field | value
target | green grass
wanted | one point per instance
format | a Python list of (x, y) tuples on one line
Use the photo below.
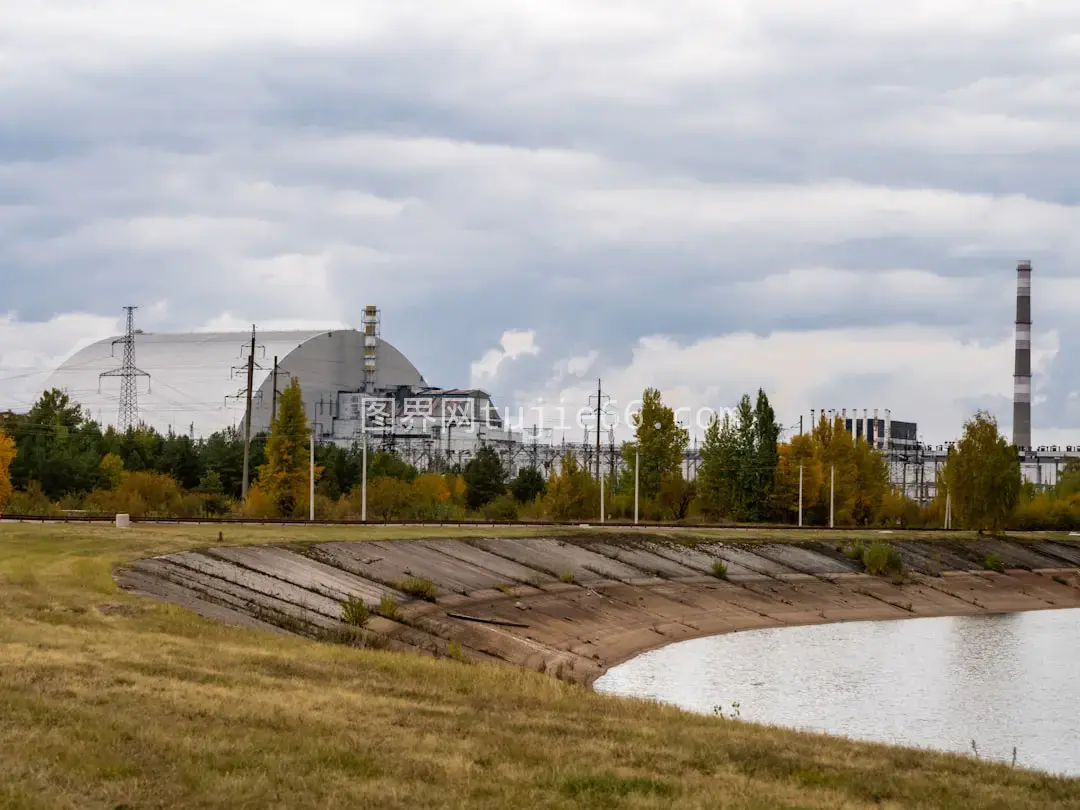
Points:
[(719, 569), (994, 562), (418, 587), (110, 700), (567, 577)]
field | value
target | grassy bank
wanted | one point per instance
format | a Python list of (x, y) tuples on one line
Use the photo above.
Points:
[(108, 700)]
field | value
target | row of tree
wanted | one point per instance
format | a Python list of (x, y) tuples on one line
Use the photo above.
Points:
[(54, 457)]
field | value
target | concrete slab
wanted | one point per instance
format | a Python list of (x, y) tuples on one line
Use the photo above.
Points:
[(747, 559), (503, 570), (644, 560), (696, 559), (307, 573), (556, 558), (803, 560), (1062, 552)]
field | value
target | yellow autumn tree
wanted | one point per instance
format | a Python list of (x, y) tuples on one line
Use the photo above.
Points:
[(7, 455), (284, 478), (829, 456), (432, 499)]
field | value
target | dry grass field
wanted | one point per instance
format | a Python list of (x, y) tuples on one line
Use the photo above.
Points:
[(111, 701)]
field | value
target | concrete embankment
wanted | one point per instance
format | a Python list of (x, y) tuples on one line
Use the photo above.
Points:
[(576, 606)]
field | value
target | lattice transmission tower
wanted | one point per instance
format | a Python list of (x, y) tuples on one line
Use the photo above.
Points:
[(129, 373)]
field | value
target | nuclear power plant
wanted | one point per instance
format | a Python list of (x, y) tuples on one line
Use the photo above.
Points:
[(357, 385)]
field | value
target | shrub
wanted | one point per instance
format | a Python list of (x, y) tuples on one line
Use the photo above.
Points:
[(258, 504), (719, 569), (453, 651), (387, 498), (354, 612), (388, 608), (418, 587), (855, 551), (505, 507), (994, 562), (32, 501), (567, 577), (881, 558)]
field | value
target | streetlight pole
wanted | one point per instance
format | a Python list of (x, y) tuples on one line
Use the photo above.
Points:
[(637, 480), (832, 496), (601, 497), (800, 493), (311, 477), (363, 480)]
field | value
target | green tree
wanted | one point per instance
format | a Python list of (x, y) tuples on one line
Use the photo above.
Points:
[(57, 445), (342, 469), (528, 485), (283, 479), (715, 478), (661, 441), (982, 474), (387, 465), (485, 478), (766, 453)]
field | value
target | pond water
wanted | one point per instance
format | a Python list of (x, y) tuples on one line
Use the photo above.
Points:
[(1001, 681)]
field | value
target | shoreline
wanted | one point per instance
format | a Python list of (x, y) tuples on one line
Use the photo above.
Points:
[(612, 664), (576, 607)]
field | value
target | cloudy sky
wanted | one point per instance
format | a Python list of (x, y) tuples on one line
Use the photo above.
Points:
[(825, 199)]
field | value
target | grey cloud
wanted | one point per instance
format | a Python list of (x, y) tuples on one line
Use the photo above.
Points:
[(473, 180)]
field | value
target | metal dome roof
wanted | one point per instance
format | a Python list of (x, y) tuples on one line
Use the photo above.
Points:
[(195, 378)]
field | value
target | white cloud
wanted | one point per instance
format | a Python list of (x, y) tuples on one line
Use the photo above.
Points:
[(514, 344), (579, 365), (921, 374)]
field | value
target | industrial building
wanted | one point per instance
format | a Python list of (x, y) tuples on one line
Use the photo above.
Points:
[(354, 384)]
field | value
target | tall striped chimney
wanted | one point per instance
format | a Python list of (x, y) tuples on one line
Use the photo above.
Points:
[(1022, 373)]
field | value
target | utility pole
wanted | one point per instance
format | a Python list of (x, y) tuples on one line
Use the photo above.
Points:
[(127, 416), (800, 491), (601, 500), (599, 405), (599, 413), (311, 476), (637, 480), (273, 394), (247, 413), (363, 480), (832, 497)]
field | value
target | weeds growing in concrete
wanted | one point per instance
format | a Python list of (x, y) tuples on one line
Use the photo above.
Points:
[(881, 558), (994, 562), (567, 577), (354, 612), (418, 587), (719, 569), (388, 608)]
